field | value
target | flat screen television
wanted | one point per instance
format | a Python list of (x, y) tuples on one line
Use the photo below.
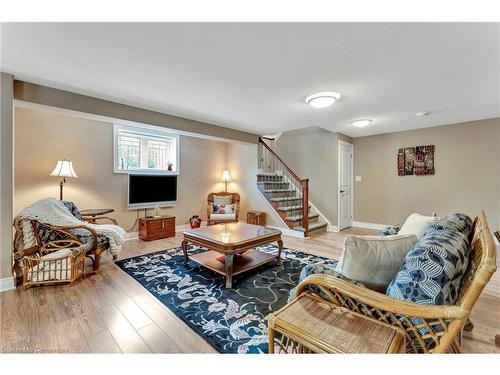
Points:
[(148, 190)]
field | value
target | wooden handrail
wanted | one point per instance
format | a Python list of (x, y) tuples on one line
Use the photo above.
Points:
[(261, 141)]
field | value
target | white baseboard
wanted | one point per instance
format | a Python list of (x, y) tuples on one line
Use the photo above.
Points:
[(369, 225), (332, 228), (7, 283), (131, 236), (289, 232)]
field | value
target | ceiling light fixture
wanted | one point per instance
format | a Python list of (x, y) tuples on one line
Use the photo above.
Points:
[(361, 123), (422, 114), (323, 99)]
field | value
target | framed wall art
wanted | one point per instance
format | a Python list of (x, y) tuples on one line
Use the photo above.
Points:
[(417, 161)]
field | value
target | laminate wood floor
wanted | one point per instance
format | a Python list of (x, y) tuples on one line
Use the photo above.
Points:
[(111, 313)]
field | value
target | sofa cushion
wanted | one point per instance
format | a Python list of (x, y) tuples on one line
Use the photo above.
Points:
[(222, 217), (389, 231), (374, 260), (417, 224), (432, 270), (327, 268), (102, 240), (73, 209), (223, 208), (223, 199)]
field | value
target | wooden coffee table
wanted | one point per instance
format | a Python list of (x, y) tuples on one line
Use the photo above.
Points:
[(227, 244)]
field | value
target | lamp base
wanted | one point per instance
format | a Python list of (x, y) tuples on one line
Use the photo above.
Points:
[(61, 184)]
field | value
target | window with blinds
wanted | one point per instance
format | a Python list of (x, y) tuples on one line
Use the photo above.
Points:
[(145, 150)]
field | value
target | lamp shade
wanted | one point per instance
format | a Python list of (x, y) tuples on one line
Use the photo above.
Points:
[(64, 168), (225, 176)]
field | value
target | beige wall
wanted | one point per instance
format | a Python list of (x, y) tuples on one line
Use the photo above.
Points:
[(30, 92), (242, 165), (467, 174), (312, 153), (44, 137), (6, 135)]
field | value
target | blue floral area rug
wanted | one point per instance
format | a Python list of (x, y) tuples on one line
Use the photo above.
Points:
[(231, 320)]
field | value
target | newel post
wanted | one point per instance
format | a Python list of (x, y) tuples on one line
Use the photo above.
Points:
[(305, 206)]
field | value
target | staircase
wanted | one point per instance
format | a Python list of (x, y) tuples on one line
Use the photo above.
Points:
[(287, 193)]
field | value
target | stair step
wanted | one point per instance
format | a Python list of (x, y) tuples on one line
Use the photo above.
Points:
[(279, 190), (285, 199), (272, 182), (291, 208), (312, 226), (272, 177), (299, 217), (269, 174)]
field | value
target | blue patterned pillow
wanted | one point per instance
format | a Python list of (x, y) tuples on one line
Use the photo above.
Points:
[(432, 270), (389, 231), (73, 209)]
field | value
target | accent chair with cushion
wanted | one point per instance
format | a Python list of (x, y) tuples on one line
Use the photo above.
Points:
[(223, 207), (434, 291), (89, 243)]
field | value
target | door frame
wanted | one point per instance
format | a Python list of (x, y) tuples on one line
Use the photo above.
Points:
[(339, 143)]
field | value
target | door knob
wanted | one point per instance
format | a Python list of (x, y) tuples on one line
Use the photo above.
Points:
[(342, 191)]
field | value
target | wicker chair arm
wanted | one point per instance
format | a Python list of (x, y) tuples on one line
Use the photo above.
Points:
[(237, 209), (56, 245), (65, 229), (90, 219), (209, 210), (20, 254), (380, 301)]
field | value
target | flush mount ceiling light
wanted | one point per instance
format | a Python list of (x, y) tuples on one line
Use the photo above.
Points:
[(361, 123), (422, 114), (323, 99)]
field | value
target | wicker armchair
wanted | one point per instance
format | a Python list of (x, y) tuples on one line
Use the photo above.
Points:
[(428, 328), (211, 219), (93, 250)]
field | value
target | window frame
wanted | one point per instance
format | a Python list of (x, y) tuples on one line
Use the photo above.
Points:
[(145, 131)]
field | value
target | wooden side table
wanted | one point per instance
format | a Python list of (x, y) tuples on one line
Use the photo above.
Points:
[(155, 228), (310, 324), (256, 218), (94, 214)]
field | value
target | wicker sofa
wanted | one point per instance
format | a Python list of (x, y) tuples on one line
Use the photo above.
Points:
[(428, 328)]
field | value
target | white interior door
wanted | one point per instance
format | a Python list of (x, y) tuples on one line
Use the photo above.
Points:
[(345, 185)]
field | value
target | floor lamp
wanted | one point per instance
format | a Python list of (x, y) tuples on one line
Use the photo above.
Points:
[(63, 169), (225, 178)]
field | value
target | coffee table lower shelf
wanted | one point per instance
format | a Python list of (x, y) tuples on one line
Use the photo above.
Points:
[(214, 261)]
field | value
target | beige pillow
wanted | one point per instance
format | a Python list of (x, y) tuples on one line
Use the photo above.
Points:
[(374, 260), (417, 224), (223, 199)]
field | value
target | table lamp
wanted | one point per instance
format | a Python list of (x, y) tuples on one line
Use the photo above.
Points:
[(64, 168), (225, 178)]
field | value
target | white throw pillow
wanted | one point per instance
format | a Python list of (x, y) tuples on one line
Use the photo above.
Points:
[(223, 199), (374, 260), (417, 224)]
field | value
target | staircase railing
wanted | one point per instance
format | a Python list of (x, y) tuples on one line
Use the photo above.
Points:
[(296, 197)]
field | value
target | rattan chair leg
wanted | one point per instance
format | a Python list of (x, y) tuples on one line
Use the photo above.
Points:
[(271, 341), (469, 326)]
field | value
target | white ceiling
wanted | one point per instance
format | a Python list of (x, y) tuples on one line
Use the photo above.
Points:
[(255, 76)]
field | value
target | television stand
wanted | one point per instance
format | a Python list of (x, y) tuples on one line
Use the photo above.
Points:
[(155, 228)]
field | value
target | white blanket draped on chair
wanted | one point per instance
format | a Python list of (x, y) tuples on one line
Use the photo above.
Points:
[(53, 212)]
